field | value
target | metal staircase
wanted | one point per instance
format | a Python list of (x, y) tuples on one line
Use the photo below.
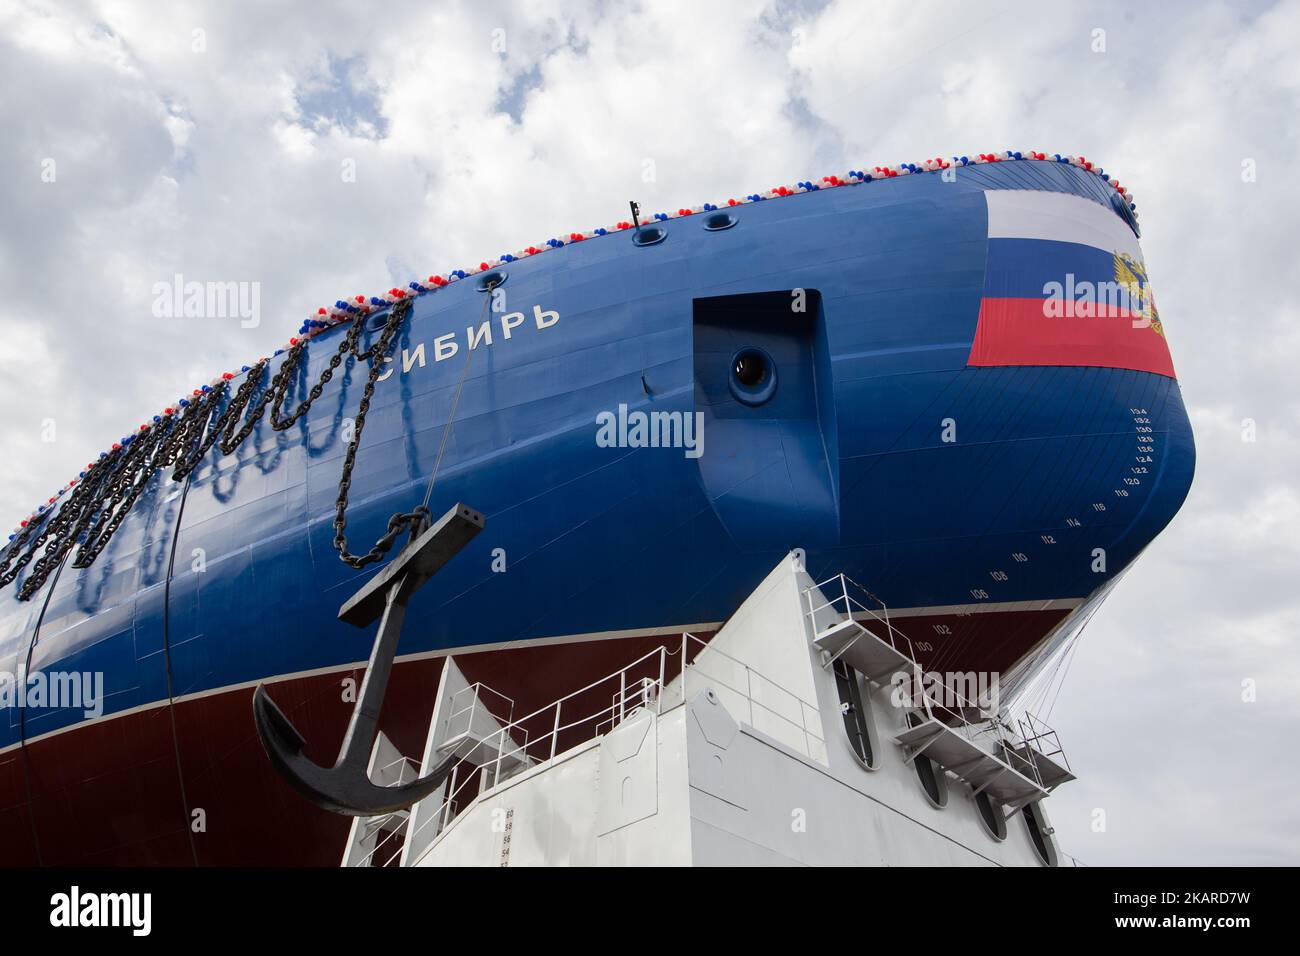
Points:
[(839, 631), (1015, 764)]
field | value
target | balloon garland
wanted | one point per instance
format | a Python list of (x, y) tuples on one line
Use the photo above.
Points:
[(359, 306)]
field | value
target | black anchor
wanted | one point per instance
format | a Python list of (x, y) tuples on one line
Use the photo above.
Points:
[(346, 787)]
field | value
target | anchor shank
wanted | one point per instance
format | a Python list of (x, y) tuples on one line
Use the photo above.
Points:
[(364, 724)]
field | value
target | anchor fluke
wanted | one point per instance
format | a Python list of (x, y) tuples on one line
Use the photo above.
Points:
[(339, 788), (346, 787)]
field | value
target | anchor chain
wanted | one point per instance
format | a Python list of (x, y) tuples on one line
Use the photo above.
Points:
[(97, 506), (400, 521)]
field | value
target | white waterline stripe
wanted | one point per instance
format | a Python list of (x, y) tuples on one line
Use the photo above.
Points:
[(1053, 605), (360, 665), (1057, 604)]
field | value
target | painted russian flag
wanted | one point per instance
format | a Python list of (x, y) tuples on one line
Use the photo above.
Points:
[(1065, 285)]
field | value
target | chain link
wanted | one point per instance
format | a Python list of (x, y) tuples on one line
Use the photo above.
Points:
[(97, 506), (399, 521)]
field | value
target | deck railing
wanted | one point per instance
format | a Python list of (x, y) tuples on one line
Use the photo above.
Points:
[(657, 680)]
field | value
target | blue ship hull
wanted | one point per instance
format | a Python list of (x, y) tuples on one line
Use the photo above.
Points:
[(973, 496)]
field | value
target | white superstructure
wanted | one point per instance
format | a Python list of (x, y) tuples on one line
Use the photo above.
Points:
[(783, 742)]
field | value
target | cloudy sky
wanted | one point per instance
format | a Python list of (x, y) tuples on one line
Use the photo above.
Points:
[(322, 150)]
